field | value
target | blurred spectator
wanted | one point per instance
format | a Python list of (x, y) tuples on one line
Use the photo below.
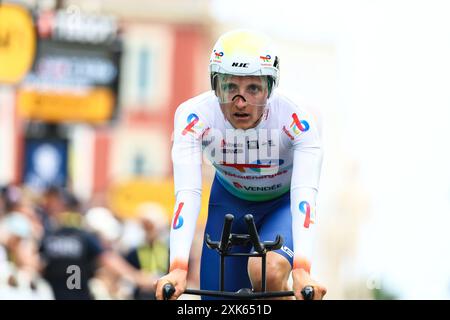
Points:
[(68, 245), (2, 201), (153, 255), (51, 203), (106, 284), (104, 224), (19, 261), (11, 196), (42, 235)]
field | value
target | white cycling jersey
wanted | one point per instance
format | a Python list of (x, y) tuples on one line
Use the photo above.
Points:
[(282, 153)]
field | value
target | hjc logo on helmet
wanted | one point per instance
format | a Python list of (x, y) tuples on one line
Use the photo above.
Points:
[(240, 65)]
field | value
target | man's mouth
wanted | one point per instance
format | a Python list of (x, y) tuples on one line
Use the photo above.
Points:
[(241, 115)]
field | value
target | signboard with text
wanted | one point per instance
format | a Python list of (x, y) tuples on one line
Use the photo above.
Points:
[(74, 78)]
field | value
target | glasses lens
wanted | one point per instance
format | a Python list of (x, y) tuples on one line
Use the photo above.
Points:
[(250, 89)]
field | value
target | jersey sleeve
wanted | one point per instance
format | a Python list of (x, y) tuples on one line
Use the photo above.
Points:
[(186, 157), (307, 163)]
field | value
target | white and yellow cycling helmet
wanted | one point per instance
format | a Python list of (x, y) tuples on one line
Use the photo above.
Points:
[(244, 53)]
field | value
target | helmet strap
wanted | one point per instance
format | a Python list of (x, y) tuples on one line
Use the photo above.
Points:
[(270, 85)]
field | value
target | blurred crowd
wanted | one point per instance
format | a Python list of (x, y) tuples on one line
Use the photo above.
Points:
[(53, 246)]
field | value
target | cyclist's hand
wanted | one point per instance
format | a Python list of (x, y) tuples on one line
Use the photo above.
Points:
[(301, 279), (177, 278)]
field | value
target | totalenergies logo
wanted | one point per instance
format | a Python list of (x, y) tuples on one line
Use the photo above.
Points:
[(298, 125), (267, 164), (305, 209), (258, 166), (218, 56), (178, 219), (266, 58), (192, 120)]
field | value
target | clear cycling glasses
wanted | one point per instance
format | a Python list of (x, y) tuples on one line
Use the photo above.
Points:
[(251, 89)]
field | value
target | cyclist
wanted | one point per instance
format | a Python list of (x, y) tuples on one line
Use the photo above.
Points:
[(267, 155)]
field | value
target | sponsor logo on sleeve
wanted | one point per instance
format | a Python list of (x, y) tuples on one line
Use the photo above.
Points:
[(178, 219), (298, 125), (193, 125), (305, 208)]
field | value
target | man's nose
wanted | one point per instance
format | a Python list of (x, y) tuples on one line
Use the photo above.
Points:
[(239, 101)]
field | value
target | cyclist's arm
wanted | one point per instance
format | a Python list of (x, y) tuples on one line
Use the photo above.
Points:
[(186, 157), (304, 187), (307, 165)]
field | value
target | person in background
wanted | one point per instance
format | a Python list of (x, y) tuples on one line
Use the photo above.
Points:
[(20, 276), (68, 248), (107, 284), (153, 255), (48, 206)]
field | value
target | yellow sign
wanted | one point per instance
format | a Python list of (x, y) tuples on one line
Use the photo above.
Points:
[(95, 105), (17, 43), (126, 197)]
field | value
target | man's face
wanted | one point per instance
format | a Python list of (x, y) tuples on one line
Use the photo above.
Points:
[(242, 99), (151, 232)]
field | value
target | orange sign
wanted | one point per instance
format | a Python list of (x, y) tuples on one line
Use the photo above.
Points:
[(94, 105), (17, 43), (126, 197)]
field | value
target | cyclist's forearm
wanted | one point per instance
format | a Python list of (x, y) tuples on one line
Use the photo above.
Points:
[(304, 188), (184, 222), (303, 203)]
